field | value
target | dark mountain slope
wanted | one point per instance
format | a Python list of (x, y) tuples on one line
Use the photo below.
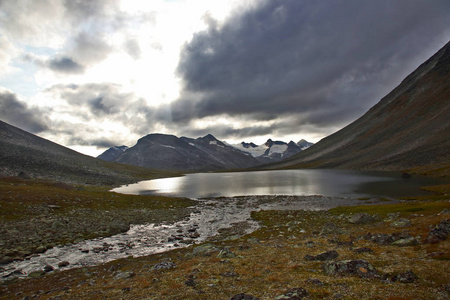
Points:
[(409, 129), (21, 151), (168, 152)]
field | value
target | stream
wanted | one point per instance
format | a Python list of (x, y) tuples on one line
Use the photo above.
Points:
[(209, 216)]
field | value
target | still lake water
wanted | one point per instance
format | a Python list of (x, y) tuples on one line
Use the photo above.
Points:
[(331, 183)]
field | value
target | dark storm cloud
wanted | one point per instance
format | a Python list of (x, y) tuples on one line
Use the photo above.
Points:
[(97, 142), (327, 61), (17, 113)]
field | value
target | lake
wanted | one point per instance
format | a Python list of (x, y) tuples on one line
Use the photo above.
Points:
[(331, 183)]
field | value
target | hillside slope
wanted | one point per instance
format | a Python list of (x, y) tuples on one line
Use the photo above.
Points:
[(21, 151), (409, 129)]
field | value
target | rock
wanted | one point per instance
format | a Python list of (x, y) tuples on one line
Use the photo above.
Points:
[(63, 264), (444, 212), (293, 294), (243, 296), (329, 255), (165, 265), (359, 267), (190, 282), (401, 223), (229, 274), (24, 175), (409, 241), (226, 253), (314, 281), (205, 250), (435, 236), (124, 275), (445, 225), (406, 175), (331, 228), (36, 274), (118, 226), (407, 277), (363, 250), (48, 268), (194, 235), (362, 218)]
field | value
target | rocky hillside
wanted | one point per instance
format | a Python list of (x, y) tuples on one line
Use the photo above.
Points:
[(31, 156), (409, 129), (168, 152)]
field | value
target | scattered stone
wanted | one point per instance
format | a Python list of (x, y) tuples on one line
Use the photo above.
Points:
[(329, 255), (407, 277), (48, 268), (124, 275), (165, 265), (359, 267), (205, 250), (331, 228), (226, 253), (363, 250), (126, 289), (444, 212), (194, 235), (63, 264), (362, 218), (190, 282), (293, 294), (229, 274), (385, 239), (406, 242), (401, 223), (243, 296), (314, 281), (435, 236)]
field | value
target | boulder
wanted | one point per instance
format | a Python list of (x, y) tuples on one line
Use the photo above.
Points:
[(205, 250), (165, 265), (409, 241), (243, 296), (359, 267), (406, 277), (362, 218)]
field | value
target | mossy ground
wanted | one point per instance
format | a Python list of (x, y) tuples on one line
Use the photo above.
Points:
[(270, 261)]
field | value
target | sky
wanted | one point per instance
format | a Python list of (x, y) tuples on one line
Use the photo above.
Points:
[(94, 74)]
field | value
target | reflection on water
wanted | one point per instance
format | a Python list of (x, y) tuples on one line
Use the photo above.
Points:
[(285, 182)]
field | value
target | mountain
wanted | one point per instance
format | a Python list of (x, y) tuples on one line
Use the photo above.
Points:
[(32, 156), (168, 152), (273, 151), (112, 153), (409, 129)]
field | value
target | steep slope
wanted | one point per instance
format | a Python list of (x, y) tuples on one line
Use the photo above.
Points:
[(409, 129), (21, 151), (168, 152)]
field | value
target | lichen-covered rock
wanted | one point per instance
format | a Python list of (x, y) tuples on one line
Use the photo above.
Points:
[(362, 218), (205, 250), (439, 233), (359, 267), (165, 265), (409, 241), (329, 255), (293, 294), (331, 228), (401, 223), (406, 277)]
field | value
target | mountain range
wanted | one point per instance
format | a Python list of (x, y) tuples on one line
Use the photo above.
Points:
[(168, 152), (409, 129)]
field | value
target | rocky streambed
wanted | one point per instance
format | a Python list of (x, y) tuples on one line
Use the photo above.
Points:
[(209, 219)]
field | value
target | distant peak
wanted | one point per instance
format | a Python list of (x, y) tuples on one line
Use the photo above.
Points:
[(209, 137)]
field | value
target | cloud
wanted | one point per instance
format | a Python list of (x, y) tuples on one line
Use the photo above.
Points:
[(326, 62), (133, 49), (17, 113), (90, 47)]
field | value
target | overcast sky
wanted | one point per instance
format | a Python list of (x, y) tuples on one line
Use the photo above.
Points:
[(93, 74)]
